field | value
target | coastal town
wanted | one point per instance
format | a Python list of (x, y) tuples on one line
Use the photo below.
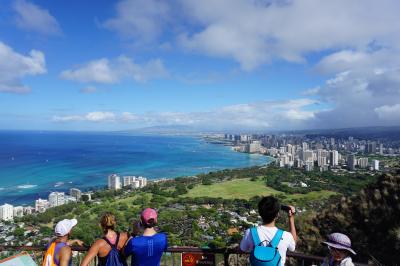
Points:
[(320, 154), (56, 198)]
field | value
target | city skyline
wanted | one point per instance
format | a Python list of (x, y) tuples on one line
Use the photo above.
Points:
[(225, 65)]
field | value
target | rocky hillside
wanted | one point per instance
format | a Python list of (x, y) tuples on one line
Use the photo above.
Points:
[(371, 219)]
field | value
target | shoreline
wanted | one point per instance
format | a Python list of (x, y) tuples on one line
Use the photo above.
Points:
[(100, 187)]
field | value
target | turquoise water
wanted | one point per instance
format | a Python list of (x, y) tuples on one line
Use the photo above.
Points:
[(32, 164)]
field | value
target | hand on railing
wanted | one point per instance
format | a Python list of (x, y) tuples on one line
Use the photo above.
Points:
[(75, 242)]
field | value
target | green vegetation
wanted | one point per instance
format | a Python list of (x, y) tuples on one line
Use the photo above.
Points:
[(202, 210), (233, 189)]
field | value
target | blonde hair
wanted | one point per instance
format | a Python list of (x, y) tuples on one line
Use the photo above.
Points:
[(108, 222)]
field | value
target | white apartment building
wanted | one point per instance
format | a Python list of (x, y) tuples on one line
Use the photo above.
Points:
[(375, 165), (253, 147), (334, 158), (41, 205), (6, 212), (363, 162), (18, 211), (134, 182), (114, 182), (56, 199), (142, 181), (76, 193), (29, 210)]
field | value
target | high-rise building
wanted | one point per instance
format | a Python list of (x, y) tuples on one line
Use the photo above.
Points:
[(76, 193), (304, 146), (321, 157), (41, 205), (321, 161), (18, 211), (142, 181), (351, 162), (28, 210), (6, 212), (114, 182), (363, 162), (375, 165), (309, 166), (253, 147), (371, 147), (308, 156), (56, 199), (381, 149), (127, 180), (334, 158), (332, 141)]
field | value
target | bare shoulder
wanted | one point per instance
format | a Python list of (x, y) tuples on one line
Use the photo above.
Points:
[(65, 250)]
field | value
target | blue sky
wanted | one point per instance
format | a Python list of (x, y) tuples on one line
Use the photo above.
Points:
[(221, 65)]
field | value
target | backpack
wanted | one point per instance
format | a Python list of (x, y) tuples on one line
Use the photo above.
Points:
[(114, 257), (265, 255), (48, 258)]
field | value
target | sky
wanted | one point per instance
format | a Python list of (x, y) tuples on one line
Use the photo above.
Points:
[(229, 65)]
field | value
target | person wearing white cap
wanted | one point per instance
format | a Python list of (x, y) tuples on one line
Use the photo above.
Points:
[(59, 251), (339, 246)]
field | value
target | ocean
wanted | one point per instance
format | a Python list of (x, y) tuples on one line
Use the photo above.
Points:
[(35, 163)]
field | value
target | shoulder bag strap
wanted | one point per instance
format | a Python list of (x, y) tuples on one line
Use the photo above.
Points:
[(108, 241), (255, 237), (277, 238)]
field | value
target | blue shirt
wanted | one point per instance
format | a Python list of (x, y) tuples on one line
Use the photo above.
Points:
[(147, 250)]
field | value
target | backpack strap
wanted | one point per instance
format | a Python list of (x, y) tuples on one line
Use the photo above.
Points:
[(255, 237), (277, 238), (109, 243)]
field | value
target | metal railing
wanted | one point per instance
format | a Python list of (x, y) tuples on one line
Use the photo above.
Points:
[(173, 256)]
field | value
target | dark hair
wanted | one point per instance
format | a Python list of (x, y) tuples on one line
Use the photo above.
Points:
[(150, 223), (268, 208)]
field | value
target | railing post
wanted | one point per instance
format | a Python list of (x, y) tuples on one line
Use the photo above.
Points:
[(226, 258)]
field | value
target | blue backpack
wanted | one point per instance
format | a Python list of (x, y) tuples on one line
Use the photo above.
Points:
[(265, 255), (114, 257)]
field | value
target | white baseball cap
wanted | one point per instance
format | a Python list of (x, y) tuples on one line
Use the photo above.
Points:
[(65, 226)]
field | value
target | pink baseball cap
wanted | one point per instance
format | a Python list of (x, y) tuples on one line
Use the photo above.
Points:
[(148, 214)]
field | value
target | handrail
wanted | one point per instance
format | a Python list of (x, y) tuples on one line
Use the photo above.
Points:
[(174, 249)]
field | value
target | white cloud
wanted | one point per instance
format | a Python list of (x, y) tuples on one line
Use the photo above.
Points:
[(95, 71), (15, 66), (89, 89), (100, 116), (312, 91), (262, 115), (34, 18), (389, 112), (360, 98), (111, 71), (359, 61), (255, 32), (92, 117), (139, 20)]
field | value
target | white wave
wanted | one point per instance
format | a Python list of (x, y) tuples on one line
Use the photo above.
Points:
[(59, 184), (26, 186)]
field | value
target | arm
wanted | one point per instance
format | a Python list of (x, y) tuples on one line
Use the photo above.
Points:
[(65, 256), (292, 226), (75, 241), (93, 251), (247, 242)]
